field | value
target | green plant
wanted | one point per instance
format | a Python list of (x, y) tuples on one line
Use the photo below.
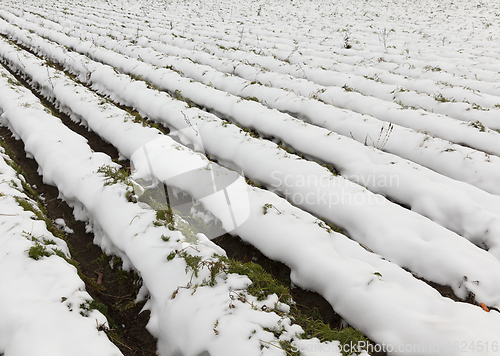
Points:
[(100, 259), (251, 132), (289, 349), (478, 125), (121, 276), (400, 90), (89, 305), (165, 216), (171, 255), (29, 206), (262, 286), (38, 251), (313, 326), (432, 69), (316, 95), (328, 227), (252, 98), (252, 183), (13, 82), (114, 175), (477, 107), (116, 262), (266, 207), (446, 84), (177, 94), (189, 231), (375, 78), (22, 176), (331, 168), (405, 107), (284, 147), (349, 89), (439, 97), (263, 283)]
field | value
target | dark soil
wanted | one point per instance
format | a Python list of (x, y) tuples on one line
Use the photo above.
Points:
[(237, 249)]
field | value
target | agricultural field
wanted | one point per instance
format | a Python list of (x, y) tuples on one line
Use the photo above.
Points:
[(274, 178)]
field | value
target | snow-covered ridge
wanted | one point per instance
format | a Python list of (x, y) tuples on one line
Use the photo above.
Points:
[(306, 57), (337, 200), (285, 30), (128, 230), (269, 232), (374, 294), (455, 204), (407, 183), (461, 163), (42, 295)]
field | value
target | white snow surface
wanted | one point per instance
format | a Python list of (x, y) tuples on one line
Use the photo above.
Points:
[(286, 237), (420, 146), (40, 299), (364, 215), (127, 230), (409, 115)]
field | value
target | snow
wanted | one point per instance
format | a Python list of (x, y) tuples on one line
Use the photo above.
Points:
[(364, 215), (61, 224), (389, 175), (420, 146), (408, 117), (128, 230), (40, 299)]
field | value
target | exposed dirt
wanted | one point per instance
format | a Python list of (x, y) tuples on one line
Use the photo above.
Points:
[(447, 292), (241, 251)]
